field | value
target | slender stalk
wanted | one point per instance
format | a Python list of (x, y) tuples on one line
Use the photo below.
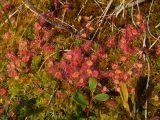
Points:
[(89, 107), (63, 25), (6, 15)]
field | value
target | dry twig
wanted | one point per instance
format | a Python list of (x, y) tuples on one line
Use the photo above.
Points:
[(102, 18), (63, 25), (10, 16), (122, 6)]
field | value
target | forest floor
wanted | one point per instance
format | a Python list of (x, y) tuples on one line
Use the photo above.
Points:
[(80, 60)]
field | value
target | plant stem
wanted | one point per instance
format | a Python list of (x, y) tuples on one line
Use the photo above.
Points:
[(89, 107)]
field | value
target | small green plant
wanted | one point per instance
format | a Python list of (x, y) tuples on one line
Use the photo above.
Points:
[(88, 103)]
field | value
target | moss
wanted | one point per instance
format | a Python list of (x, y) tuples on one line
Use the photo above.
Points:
[(29, 33), (114, 55), (36, 62), (39, 85)]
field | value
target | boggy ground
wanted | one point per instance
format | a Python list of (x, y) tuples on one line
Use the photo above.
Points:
[(48, 73)]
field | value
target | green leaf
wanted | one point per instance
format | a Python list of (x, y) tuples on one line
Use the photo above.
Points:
[(92, 84), (78, 97), (102, 97)]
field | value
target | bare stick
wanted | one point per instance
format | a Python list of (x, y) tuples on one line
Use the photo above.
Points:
[(48, 58), (154, 42), (100, 2), (103, 17), (138, 6), (10, 16), (132, 17), (83, 6), (149, 19), (98, 5), (157, 39), (26, 28), (158, 25), (120, 8), (55, 88), (70, 29), (147, 86)]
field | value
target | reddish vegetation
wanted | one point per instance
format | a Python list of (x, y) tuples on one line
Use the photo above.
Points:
[(60, 94), (1, 111), (111, 42), (79, 64), (158, 50), (50, 54), (129, 34), (77, 68), (3, 91), (7, 6)]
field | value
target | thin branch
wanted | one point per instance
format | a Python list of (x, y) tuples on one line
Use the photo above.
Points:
[(64, 12), (98, 5), (64, 26), (137, 3), (105, 11), (158, 25), (157, 39), (147, 86), (149, 19), (49, 57), (132, 17), (121, 7), (154, 42), (54, 90), (26, 28), (45, 61), (144, 40), (102, 18), (83, 6), (101, 2), (10, 16)]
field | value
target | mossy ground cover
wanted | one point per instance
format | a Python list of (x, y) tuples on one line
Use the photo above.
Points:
[(108, 71)]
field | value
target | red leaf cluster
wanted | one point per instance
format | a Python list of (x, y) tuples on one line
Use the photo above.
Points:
[(158, 50), (56, 4), (3, 91), (77, 68), (1, 111), (47, 48), (129, 33), (117, 74), (23, 56), (111, 42), (7, 6)]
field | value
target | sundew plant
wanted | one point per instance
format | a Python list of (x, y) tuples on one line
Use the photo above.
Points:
[(79, 60)]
